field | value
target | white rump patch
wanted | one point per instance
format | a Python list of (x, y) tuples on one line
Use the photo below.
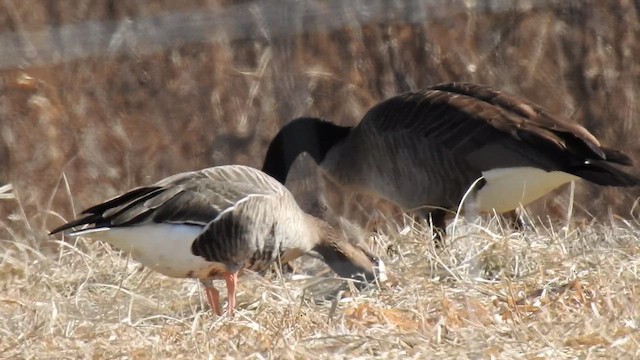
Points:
[(507, 188), (165, 248)]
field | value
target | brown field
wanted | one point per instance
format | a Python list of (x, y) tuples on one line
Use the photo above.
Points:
[(86, 114)]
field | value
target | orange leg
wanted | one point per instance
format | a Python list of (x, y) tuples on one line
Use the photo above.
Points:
[(232, 280), (213, 298)]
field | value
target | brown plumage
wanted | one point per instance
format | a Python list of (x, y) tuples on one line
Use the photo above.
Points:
[(215, 223), (425, 149)]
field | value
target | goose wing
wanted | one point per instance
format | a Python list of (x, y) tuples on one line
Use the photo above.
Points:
[(245, 232), (193, 198), (489, 128)]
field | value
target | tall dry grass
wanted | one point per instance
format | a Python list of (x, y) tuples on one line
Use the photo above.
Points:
[(74, 133)]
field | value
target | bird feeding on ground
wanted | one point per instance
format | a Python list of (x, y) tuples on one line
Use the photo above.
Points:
[(214, 223)]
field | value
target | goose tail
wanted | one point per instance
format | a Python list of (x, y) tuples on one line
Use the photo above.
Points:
[(86, 220), (616, 156), (603, 173)]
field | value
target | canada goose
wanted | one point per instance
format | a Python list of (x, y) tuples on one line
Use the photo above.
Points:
[(427, 148), (213, 223)]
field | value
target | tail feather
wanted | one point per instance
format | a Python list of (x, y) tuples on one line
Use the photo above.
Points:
[(605, 174), (89, 219), (89, 231), (617, 156)]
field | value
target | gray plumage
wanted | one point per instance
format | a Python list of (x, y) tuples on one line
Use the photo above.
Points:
[(218, 221)]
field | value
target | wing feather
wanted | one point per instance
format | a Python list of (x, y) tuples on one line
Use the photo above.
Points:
[(244, 234), (193, 198), (472, 119)]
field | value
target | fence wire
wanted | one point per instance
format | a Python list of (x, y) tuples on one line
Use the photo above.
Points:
[(254, 20)]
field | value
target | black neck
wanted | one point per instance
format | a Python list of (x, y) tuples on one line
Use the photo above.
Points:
[(311, 135)]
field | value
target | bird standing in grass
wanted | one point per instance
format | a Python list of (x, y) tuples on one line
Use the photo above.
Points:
[(215, 223), (425, 149)]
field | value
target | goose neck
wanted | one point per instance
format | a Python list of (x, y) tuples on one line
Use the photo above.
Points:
[(311, 135)]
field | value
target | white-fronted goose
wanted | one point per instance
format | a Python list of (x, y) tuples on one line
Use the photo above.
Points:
[(426, 148), (213, 223)]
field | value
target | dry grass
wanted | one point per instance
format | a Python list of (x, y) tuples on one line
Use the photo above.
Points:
[(123, 118), (547, 292)]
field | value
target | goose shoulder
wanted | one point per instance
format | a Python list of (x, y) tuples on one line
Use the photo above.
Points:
[(239, 178)]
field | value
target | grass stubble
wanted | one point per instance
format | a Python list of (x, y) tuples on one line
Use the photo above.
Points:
[(550, 291)]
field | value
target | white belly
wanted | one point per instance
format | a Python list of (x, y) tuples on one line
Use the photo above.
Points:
[(166, 248), (506, 189)]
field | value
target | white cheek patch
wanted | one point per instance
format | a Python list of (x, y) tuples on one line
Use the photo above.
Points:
[(382, 272), (508, 188)]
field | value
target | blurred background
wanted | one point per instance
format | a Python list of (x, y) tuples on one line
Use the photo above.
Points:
[(98, 96)]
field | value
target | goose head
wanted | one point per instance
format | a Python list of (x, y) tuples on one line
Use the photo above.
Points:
[(373, 268), (347, 259)]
